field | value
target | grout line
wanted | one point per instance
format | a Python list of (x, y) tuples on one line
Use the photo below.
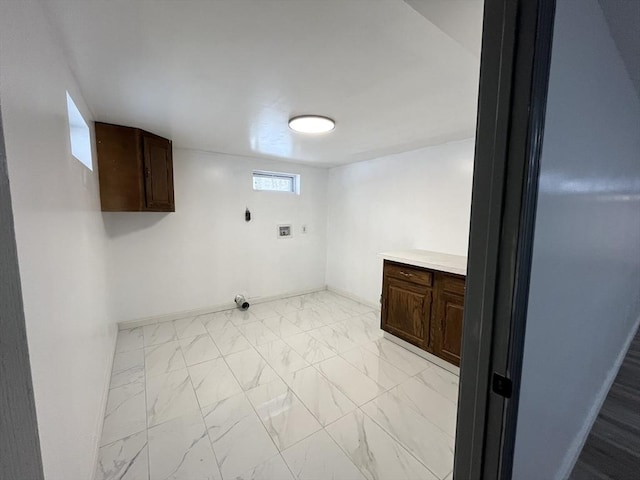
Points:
[(244, 393), (346, 453), (358, 407), (281, 378), (399, 442), (204, 423), (289, 389), (146, 406)]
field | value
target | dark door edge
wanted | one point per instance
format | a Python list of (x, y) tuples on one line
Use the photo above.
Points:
[(514, 74)]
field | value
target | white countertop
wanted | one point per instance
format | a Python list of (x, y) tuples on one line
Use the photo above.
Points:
[(443, 262)]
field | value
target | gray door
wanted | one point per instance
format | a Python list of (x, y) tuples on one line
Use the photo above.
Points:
[(514, 74)]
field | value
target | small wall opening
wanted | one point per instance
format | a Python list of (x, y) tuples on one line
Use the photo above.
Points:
[(79, 134)]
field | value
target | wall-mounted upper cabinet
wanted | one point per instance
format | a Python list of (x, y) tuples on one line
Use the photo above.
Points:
[(135, 169)]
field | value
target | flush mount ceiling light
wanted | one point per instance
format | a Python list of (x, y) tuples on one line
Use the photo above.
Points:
[(311, 124)]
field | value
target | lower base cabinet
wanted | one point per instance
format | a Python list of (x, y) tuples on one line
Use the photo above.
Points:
[(424, 307)]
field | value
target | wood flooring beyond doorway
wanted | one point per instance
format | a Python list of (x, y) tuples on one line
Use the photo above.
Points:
[(612, 450)]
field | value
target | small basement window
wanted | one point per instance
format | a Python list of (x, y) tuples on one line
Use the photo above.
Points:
[(276, 182), (79, 134)]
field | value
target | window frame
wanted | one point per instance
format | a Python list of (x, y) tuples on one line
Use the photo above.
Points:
[(294, 177), (79, 134)]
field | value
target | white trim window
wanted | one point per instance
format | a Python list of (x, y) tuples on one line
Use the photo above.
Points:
[(276, 182)]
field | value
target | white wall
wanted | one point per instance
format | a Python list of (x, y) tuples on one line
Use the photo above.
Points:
[(61, 243), (205, 253), (585, 282), (418, 199)]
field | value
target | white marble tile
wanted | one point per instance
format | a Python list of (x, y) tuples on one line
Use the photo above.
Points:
[(125, 459), (335, 311), (427, 402), (372, 317), (324, 296), (360, 329), (380, 371), (170, 396), (443, 382), (250, 369), (313, 316), (241, 317), (290, 304), (220, 320), (397, 356), (189, 327), (128, 367), (125, 413), (260, 311), (272, 469), (257, 334), (230, 340), (131, 339), (159, 333), (319, 295), (281, 357), (310, 348), (331, 313), (422, 438), (198, 349), (281, 326), (290, 415), (355, 307), (334, 339), (285, 417), (180, 449), (213, 381), (221, 416), (239, 438), (374, 452), (319, 458), (163, 358), (352, 382), (322, 398), (285, 305)]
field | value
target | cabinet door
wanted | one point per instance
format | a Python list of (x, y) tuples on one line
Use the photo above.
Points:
[(120, 166), (158, 172), (448, 323), (406, 309)]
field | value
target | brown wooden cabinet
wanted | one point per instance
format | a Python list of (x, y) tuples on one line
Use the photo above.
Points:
[(135, 169), (424, 307), (409, 310)]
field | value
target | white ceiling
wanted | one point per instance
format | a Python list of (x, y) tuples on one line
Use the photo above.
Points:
[(225, 75)]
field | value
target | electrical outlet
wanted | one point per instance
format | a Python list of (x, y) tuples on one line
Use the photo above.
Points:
[(284, 231)]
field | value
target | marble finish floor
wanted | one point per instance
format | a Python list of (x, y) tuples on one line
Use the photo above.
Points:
[(302, 388)]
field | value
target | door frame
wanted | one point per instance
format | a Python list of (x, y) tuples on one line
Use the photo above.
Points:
[(514, 75), (20, 455)]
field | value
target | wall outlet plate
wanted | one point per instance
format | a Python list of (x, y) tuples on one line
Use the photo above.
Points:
[(284, 231)]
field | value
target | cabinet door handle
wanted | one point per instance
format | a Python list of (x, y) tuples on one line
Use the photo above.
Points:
[(406, 274)]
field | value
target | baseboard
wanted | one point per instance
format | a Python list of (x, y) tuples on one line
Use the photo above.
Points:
[(355, 298), (127, 324), (421, 353), (571, 457), (103, 406)]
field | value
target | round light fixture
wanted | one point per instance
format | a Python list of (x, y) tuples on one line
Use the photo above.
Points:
[(311, 124)]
